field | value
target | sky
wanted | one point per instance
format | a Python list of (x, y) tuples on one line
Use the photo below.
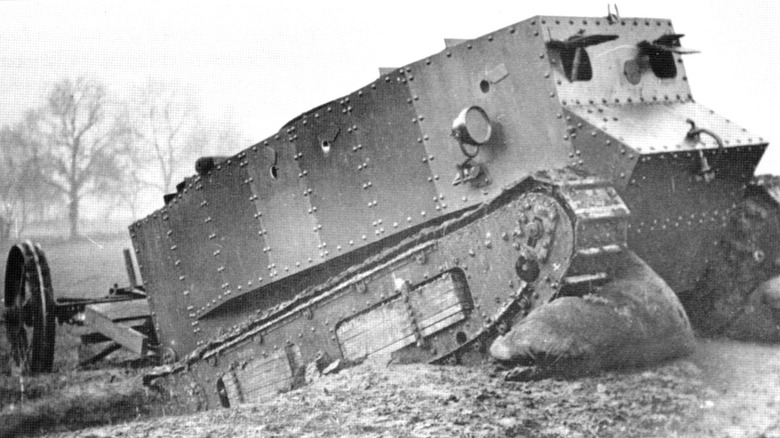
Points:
[(259, 65)]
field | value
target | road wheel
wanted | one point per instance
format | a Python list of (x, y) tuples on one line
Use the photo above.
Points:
[(29, 309)]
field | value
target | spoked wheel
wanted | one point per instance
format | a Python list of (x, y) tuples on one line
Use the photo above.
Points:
[(29, 309)]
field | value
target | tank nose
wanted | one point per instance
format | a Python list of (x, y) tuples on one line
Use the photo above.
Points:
[(500, 350)]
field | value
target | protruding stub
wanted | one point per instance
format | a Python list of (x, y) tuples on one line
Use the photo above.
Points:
[(204, 165), (472, 126)]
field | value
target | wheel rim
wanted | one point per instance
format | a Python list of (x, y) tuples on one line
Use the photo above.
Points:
[(29, 309)]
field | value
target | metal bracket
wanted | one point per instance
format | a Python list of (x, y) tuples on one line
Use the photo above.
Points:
[(694, 136), (467, 171)]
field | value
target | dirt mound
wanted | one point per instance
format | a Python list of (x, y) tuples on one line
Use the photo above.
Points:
[(725, 389), (422, 400)]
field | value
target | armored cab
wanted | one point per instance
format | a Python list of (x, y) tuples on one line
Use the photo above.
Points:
[(421, 214)]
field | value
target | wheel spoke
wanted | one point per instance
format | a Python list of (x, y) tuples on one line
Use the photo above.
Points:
[(17, 337)]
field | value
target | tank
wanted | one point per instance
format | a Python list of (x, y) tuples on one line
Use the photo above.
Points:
[(422, 215)]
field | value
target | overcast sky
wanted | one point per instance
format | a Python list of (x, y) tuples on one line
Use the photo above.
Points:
[(260, 65)]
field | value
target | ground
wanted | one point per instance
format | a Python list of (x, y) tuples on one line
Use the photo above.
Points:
[(743, 383), (725, 388)]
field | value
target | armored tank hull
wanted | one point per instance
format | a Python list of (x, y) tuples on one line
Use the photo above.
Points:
[(423, 215)]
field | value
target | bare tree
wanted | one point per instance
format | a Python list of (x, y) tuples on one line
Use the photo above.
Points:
[(224, 137), (22, 190), (168, 133), (131, 192), (81, 141)]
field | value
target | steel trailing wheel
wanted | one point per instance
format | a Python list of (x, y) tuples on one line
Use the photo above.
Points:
[(29, 309)]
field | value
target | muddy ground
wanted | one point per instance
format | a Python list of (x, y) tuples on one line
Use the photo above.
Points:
[(725, 389)]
